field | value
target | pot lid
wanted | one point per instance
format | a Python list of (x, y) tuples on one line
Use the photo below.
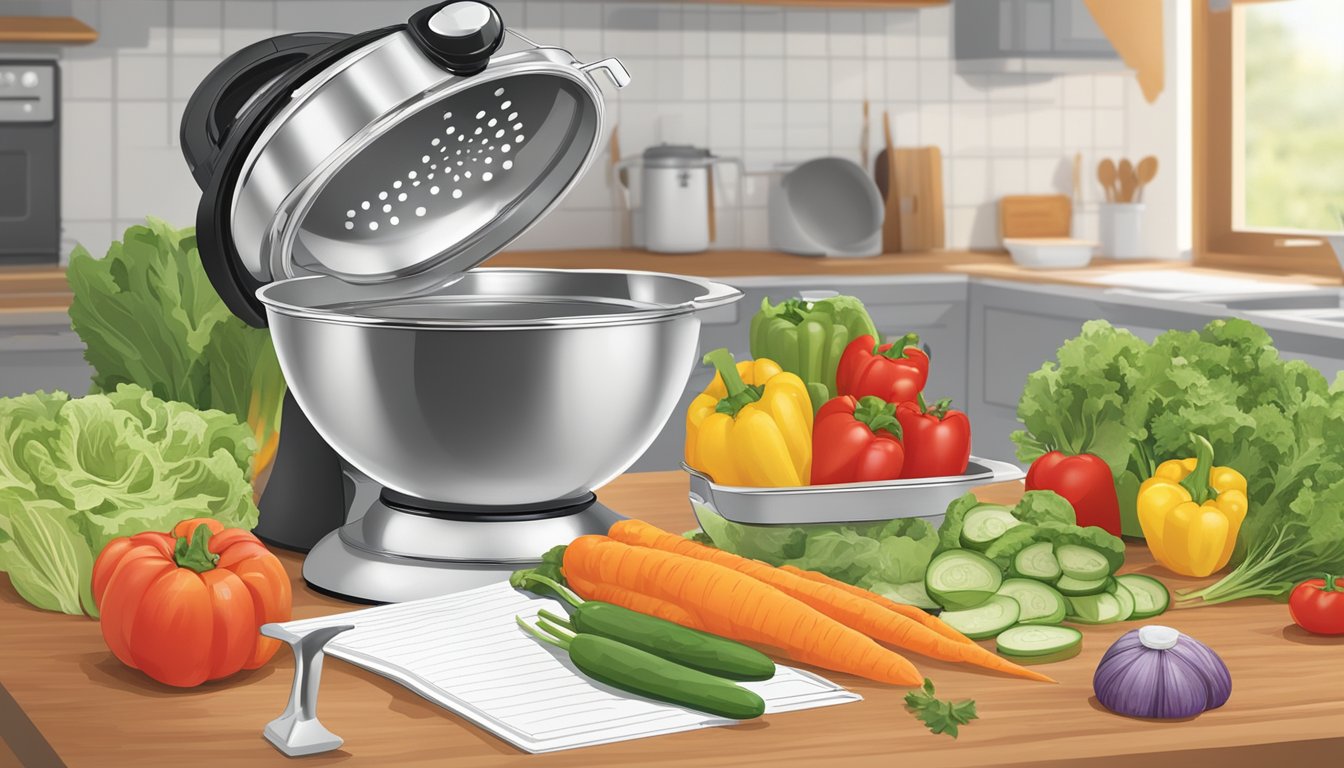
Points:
[(676, 156), (414, 156)]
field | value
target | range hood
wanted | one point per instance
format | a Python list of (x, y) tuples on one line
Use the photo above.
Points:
[(1033, 36)]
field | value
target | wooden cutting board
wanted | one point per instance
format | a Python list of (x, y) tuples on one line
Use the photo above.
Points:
[(917, 184), (1035, 216)]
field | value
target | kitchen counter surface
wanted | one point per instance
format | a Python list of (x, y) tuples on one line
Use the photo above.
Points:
[(1287, 703), (27, 289)]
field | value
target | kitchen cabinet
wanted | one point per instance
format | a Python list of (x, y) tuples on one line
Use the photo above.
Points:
[(934, 306), (39, 351), (1045, 36)]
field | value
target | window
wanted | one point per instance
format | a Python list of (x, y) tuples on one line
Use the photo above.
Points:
[(1269, 119), (1292, 113)]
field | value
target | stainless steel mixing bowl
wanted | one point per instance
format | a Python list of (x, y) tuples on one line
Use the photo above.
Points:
[(509, 387)]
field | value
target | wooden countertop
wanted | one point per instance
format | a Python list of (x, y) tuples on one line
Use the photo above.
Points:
[(46, 29), (29, 289), (1287, 702)]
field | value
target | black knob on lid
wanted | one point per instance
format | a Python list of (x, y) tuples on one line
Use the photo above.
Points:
[(460, 35)]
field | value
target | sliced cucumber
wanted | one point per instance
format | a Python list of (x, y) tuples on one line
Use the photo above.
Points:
[(985, 620), (1029, 641), (1151, 597), (1101, 608), (1122, 596), (984, 524), (1070, 587), (1040, 603), (1037, 562), (909, 593), (959, 579), (1082, 563)]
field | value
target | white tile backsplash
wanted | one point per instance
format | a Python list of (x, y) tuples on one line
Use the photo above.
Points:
[(762, 82)]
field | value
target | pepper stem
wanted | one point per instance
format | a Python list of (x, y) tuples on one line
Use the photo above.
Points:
[(897, 349), (878, 415), (1330, 584), (939, 409), (739, 394), (195, 553), (1197, 482)]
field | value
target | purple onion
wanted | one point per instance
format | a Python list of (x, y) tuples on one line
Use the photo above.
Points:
[(1157, 672)]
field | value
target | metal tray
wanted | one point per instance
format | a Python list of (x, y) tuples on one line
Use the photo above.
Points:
[(925, 497)]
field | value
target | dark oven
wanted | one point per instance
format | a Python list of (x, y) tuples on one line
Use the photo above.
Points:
[(30, 197)]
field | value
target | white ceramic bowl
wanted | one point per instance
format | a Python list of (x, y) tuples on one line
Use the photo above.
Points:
[(1050, 252)]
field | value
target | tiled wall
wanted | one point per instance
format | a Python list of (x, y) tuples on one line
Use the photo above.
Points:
[(762, 83)]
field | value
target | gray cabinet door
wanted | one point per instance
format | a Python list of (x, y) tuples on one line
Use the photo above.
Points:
[(40, 352), (934, 306)]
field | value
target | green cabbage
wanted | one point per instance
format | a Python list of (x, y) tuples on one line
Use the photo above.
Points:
[(75, 474), (890, 553)]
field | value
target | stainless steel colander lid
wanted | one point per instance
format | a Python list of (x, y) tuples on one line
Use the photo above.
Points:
[(417, 156)]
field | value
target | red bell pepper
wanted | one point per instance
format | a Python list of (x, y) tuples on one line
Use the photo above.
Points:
[(895, 372), (1085, 481), (855, 441), (1317, 605), (937, 440)]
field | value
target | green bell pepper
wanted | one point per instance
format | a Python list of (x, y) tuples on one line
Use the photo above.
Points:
[(807, 338)]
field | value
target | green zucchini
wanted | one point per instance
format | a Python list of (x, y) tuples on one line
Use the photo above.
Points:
[(1040, 603), (1101, 608), (1082, 563), (985, 620), (1070, 587), (1031, 641), (644, 674), (1124, 597), (1151, 597), (688, 647), (960, 578), (984, 524), (1038, 562)]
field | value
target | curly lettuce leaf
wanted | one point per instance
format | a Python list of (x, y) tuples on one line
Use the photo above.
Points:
[(1044, 506), (949, 533), (1078, 403), (148, 315), (75, 474)]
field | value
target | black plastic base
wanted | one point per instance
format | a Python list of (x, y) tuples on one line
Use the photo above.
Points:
[(306, 496)]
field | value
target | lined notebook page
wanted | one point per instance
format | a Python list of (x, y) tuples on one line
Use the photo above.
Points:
[(464, 652)]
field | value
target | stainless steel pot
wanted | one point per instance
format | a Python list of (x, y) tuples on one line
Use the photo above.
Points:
[(506, 388)]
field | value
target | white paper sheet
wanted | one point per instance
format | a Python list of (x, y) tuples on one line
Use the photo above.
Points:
[(465, 652)]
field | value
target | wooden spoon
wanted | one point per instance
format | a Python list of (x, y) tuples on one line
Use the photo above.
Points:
[(1127, 180), (1106, 175), (1147, 170)]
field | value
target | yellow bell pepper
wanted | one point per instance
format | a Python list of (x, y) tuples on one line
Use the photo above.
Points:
[(1191, 512), (751, 426)]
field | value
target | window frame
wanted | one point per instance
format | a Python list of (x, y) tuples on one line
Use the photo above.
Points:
[(1219, 243)]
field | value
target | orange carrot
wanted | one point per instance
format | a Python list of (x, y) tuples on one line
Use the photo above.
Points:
[(908, 611), (852, 611), (729, 604)]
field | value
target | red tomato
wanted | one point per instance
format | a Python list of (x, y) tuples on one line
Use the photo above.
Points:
[(1317, 605), (1085, 481)]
